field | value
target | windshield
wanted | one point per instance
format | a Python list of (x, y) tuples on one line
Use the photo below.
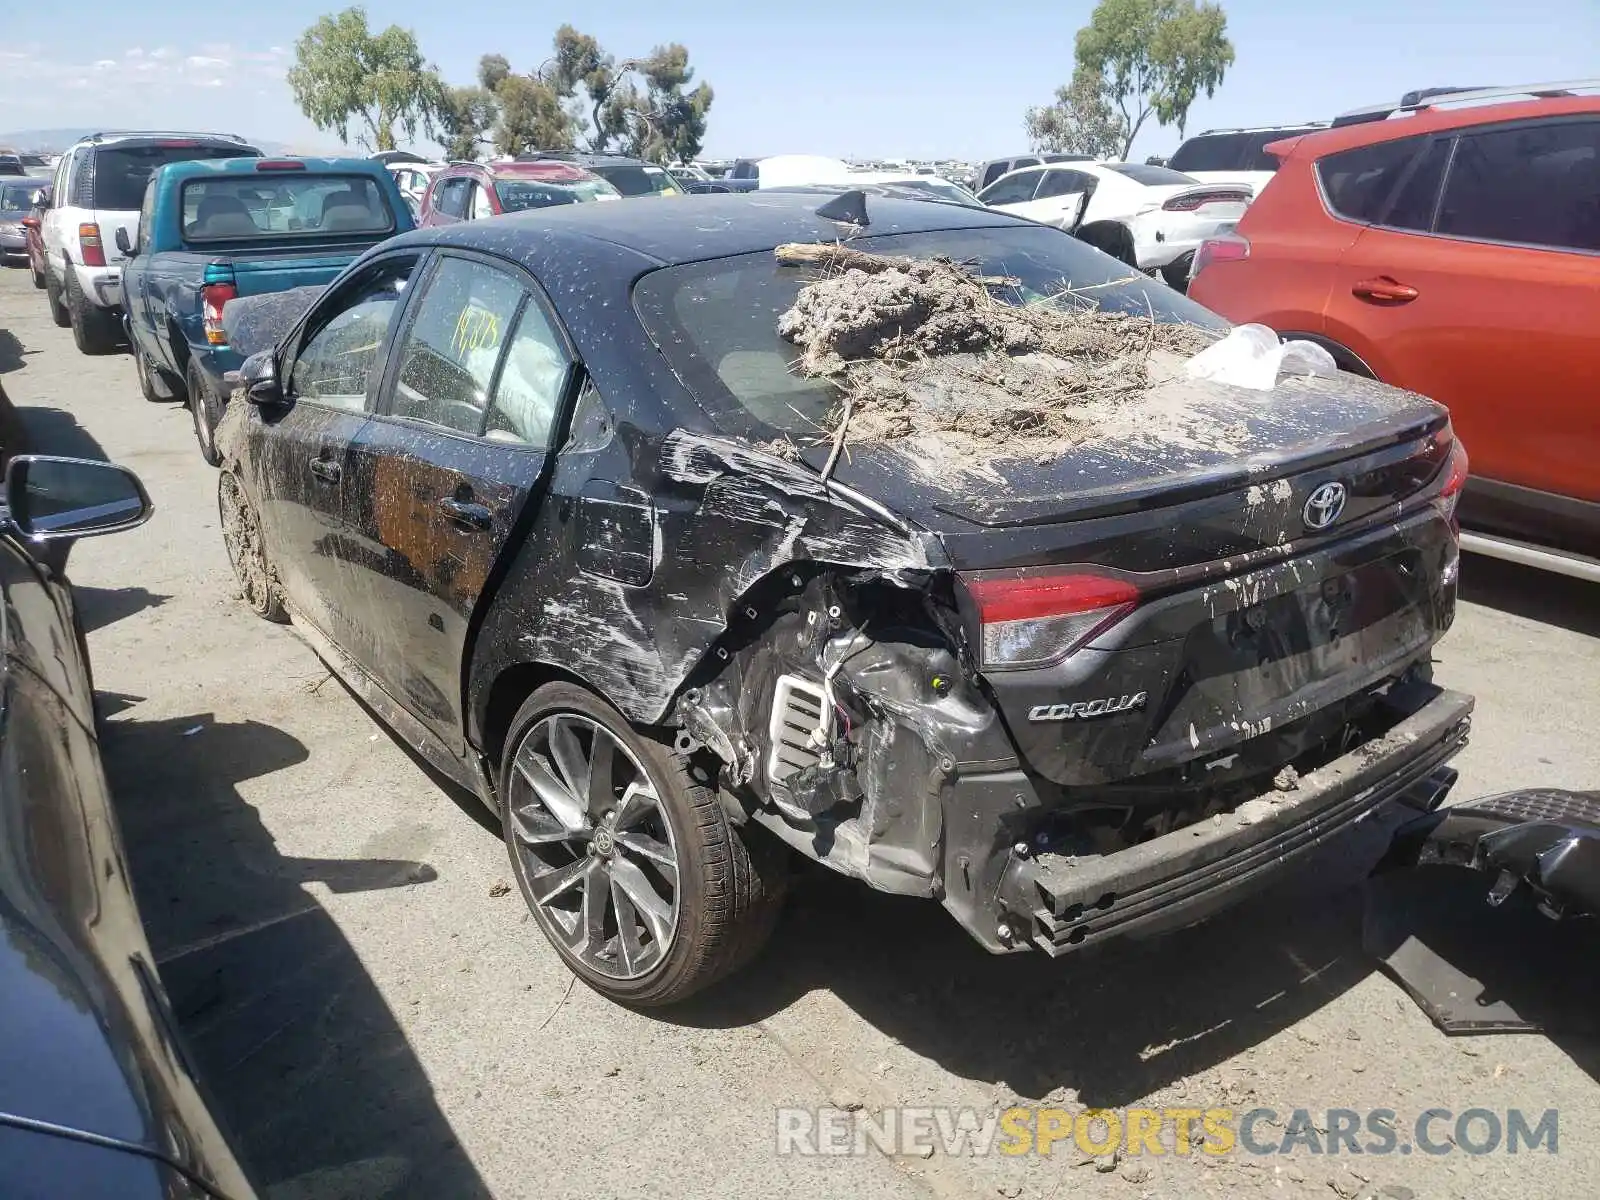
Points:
[(716, 322), (642, 180), (229, 207), (121, 172), (1150, 176), (18, 197), (518, 195)]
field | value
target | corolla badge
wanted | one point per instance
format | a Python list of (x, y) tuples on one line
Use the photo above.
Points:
[(1324, 505), (1087, 708)]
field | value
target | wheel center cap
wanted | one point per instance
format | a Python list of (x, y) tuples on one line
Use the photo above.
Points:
[(604, 842)]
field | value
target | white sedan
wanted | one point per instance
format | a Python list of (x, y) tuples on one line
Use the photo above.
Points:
[(1168, 213)]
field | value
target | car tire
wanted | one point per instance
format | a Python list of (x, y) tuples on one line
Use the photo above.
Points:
[(52, 295), (93, 329), (206, 409), (247, 553), (650, 829), (155, 385), (1176, 273)]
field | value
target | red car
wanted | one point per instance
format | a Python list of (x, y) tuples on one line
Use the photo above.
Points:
[(471, 191), (1451, 245)]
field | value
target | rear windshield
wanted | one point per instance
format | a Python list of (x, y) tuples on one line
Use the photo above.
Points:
[(15, 197), (1151, 176), (1233, 151), (716, 321), (278, 203), (120, 172), (638, 180), (516, 195)]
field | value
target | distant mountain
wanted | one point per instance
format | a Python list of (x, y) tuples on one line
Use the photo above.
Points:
[(54, 141)]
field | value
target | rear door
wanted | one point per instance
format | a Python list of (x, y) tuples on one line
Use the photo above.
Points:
[(1485, 295), (445, 475), (301, 456)]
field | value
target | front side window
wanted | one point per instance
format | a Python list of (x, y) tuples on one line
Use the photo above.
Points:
[(1359, 182), (1014, 189), (448, 362), (1062, 183), (335, 366), (282, 204), (1538, 185)]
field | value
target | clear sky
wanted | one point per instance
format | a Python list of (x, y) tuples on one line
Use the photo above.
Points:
[(912, 78)]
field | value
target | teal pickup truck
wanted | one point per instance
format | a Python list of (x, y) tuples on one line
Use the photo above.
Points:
[(214, 230)]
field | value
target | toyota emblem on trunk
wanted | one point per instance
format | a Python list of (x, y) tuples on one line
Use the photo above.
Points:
[(1324, 505)]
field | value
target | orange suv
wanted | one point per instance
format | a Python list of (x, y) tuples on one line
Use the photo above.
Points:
[(1450, 244)]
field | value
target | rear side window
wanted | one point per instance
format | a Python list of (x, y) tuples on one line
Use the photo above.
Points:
[(1536, 185), (1217, 152), (637, 181), (121, 172), (286, 203), (1418, 196), (454, 344), (452, 201), (1358, 183)]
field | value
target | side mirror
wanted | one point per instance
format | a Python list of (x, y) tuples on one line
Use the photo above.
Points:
[(50, 499), (259, 379), (123, 243), (30, 221)]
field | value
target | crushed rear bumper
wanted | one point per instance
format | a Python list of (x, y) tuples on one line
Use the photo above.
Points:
[(1059, 904)]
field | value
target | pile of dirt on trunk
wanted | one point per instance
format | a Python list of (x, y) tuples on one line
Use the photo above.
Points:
[(927, 347)]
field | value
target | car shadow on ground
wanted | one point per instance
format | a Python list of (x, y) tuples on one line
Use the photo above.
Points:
[(307, 1064), (1528, 592), (99, 607), (12, 355), (1113, 1025), (55, 431)]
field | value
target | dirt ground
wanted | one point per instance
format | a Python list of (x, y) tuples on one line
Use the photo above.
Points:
[(378, 1018)]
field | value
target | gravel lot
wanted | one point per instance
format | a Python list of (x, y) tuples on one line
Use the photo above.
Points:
[(378, 1018)]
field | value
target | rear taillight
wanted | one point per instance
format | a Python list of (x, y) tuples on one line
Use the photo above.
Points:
[(213, 298), (30, 222), (1033, 617), (1189, 201), (1227, 247), (1454, 482), (90, 251)]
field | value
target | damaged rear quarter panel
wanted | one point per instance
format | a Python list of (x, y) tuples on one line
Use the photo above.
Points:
[(723, 517)]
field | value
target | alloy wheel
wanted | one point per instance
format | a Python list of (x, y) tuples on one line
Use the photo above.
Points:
[(595, 846)]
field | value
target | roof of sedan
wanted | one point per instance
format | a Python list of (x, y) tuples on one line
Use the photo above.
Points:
[(701, 227)]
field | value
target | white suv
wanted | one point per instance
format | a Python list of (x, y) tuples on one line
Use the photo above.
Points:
[(98, 189)]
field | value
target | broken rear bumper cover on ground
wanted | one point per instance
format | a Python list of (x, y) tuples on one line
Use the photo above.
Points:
[(1010, 900)]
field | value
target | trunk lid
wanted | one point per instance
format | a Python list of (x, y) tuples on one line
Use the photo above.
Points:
[(258, 272), (1223, 442)]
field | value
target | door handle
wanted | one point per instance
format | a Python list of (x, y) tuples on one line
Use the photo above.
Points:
[(467, 512), (1383, 290), (326, 470)]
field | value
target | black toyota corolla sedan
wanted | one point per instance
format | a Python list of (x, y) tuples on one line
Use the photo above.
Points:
[(98, 1095), (529, 486)]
